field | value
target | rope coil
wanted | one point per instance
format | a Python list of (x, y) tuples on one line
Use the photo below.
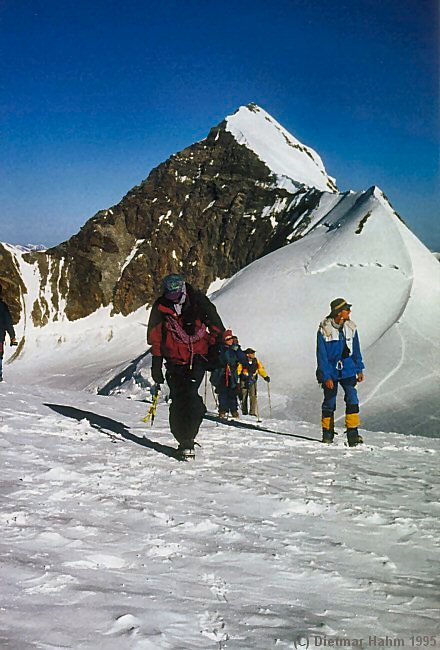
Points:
[(189, 339)]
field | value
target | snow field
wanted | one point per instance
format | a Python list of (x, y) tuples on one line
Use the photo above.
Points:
[(109, 542)]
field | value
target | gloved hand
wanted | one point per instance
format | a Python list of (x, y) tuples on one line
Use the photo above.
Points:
[(154, 390), (267, 379), (14, 342), (156, 370)]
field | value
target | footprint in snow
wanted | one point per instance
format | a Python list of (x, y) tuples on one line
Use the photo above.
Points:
[(213, 626), (98, 561), (48, 584), (218, 586), (125, 624), (164, 550)]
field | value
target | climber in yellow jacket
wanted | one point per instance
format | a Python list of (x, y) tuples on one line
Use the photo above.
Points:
[(248, 374)]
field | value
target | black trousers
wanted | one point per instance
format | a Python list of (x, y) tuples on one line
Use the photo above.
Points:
[(187, 408)]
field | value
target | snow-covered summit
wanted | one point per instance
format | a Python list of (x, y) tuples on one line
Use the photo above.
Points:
[(286, 156)]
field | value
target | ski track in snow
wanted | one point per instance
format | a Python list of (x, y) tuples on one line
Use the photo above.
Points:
[(261, 540)]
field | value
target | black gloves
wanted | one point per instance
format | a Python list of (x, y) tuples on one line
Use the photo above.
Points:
[(267, 379), (156, 370)]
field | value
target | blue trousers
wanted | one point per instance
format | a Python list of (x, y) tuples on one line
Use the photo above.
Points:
[(350, 394), (227, 399), (351, 404)]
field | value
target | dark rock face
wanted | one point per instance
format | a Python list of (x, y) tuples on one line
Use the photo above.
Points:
[(13, 286), (206, 212)]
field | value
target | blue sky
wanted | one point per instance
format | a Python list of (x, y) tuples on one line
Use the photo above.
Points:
[(96, 93)]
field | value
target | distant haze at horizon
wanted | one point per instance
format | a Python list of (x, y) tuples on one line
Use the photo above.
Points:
[(96, 96)]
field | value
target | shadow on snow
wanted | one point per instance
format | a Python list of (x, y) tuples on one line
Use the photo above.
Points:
[(249, 425), (111, 427)]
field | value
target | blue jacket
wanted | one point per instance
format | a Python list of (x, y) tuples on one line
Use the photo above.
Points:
[(338, 351), (226, 375), (5, 322)]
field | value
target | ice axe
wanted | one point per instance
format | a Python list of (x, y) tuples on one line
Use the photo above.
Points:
[(152, 410)]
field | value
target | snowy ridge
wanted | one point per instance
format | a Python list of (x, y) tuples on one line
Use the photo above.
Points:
[(28, 248), (286, 156), (364, 253)]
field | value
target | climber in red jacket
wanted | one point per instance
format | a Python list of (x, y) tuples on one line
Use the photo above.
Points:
[(183, 330)]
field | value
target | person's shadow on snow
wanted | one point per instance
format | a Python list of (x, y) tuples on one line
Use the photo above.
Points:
[(106, 425)]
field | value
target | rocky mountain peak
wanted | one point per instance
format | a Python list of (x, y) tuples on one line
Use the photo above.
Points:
[(209, 210), (285, 156)]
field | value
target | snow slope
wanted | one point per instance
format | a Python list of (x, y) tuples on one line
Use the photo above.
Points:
[(265, 539), (67, 353), (365, 254), (355, 247), (286, 156)]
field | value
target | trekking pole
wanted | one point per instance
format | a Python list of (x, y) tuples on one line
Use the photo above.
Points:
[(215, 398), (206, 385), (152, 410), (268, 395), (258, 410)]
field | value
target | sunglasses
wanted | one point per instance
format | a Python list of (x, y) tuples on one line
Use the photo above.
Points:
[(229, 338)]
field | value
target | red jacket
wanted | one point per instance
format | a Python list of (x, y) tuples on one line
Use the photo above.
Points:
[(179, 338)]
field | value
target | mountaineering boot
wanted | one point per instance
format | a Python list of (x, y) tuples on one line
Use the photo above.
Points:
[(186, 453), (353, 438), (222, 414), (327, 436), (235, 414), (328, 427)]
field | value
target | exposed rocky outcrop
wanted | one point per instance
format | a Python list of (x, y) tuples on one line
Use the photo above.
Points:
[(12, 283)]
